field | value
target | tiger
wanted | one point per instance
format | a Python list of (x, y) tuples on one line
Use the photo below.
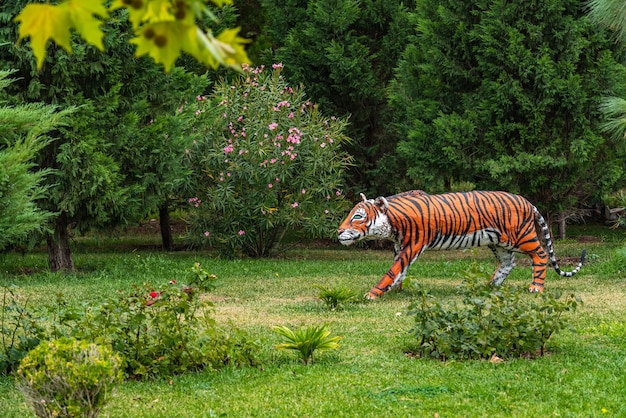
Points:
[(416, 221)]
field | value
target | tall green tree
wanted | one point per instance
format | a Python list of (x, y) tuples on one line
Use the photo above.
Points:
[(23, 132), (344, 53), (505, 95), (111, 164)]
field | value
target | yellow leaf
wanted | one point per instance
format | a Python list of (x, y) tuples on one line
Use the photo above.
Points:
[(81, 14), (163, 41), (231, 47), (221, 3), (43, 22)]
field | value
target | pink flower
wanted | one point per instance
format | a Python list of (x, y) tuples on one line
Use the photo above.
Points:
[(228, 148), (303, 191), (270, 185), (207, 233), (273, 126), (338, 193), (326, 211), (294, 205), (241, 232), (279, 65)]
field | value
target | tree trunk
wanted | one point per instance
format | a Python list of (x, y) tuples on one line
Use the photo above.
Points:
[(166, 230), (562, 224), (59, 251)]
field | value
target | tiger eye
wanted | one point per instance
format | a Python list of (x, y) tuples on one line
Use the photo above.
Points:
[(160, 41)]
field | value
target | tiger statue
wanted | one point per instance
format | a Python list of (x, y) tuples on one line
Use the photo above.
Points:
[(416, 221)]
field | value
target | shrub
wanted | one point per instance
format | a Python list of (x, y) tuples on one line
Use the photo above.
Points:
[(68, 378), (305, 341), (157, 330), (20, 330), (265, 161), (488, 321), (163, 330)]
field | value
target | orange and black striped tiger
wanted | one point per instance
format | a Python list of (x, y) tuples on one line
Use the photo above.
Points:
[(416, 221)]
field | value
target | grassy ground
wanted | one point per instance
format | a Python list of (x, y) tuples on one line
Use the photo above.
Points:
[(583, 374)]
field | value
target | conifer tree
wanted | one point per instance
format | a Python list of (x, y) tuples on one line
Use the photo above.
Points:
[(23, 131), (505, 95)]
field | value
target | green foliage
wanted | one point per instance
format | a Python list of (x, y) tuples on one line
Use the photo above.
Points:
[(69, 378), (488, 321), (22, 135), (157, 331), (506, 96), (307, 340), (344, 52), (265, 161), (20, 329), (335, 297)]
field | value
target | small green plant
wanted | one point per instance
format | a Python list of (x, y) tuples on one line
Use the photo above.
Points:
[(488, 321), (335, 297), (307, 340), (69, 378), (20, 329)]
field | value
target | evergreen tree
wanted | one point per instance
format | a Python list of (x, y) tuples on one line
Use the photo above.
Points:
[(22, 134), (505, 95), (344, 53)]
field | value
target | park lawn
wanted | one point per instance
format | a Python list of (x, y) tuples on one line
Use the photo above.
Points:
[(370, 375)]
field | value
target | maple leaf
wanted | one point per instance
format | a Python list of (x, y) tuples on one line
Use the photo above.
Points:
[(81, 14), (163, 41), (43, 22), (231, 47)]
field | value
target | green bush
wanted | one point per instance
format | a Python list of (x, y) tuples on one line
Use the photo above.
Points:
[(164, 330), (20, 329), (503, 321), (68, 378), (265, 161), (157, 331)]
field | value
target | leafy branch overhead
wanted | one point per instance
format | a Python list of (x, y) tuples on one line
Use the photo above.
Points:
[(164, 29)]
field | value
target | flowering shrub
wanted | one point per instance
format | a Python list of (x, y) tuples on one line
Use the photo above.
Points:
[(156, 330), (265, 160)]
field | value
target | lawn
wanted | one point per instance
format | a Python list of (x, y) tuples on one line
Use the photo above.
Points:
[(369, 375)]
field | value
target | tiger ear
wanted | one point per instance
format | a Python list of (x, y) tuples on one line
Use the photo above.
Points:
[(381, 202), (363, 197)]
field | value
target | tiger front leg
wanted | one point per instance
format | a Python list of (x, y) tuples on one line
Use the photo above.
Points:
[(395, 275)]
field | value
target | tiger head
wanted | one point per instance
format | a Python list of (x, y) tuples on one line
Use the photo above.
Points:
[(367, 220)]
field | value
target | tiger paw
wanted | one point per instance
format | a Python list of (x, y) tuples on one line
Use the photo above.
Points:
[(371, 296), (535, 288)]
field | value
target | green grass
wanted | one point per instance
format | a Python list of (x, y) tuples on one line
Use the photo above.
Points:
[(583, 374)]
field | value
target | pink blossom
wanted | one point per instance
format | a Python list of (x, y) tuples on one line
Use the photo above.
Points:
[(273, 126), (323, 145), (290, 116), (326, 211), (228, 148), (279, 65), (270, 185), (207, 233), (338, 193), (303, 191), (241, 232), (294, 205)]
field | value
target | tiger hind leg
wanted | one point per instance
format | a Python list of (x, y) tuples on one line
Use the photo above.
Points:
[(506, 262), (540, 263)]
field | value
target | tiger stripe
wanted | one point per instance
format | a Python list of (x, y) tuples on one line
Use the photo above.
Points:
[(417, 221)]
